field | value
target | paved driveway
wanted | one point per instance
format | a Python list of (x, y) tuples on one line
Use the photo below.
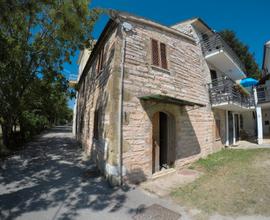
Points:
[(49, 180)]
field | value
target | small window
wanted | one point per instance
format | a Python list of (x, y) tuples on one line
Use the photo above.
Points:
[(97, 124), (217, 129), (100, 61), (159, 54), (163, 55)]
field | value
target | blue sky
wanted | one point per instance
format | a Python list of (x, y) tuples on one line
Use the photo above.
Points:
[(248, 18)]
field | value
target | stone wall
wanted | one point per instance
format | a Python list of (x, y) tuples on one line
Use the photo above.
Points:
[(99, 95), (185, 79)]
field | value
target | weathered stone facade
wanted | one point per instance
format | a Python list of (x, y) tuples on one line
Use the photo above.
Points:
[(126, 126)]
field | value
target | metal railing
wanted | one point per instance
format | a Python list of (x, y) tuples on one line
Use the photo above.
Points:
[(263, 93), (216, 43), (225, 90)]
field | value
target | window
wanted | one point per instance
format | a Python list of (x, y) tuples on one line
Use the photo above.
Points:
[(217, 129), (96, 124), (100, 61), (159, 54)]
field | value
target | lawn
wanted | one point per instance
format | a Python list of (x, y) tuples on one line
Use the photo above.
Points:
[(235, 182)]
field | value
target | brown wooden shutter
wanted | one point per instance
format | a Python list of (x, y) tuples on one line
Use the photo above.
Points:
[(100, 61), (163, 56), (155, 53)]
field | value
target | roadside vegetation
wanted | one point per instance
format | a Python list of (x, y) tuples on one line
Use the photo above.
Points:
[(242, 51), (235, 182), (37, 38)]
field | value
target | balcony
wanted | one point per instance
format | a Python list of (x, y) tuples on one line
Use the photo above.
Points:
[(218, 53), (263, 95), (226, 94)]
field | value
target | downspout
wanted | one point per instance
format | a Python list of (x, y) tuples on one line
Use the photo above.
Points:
[(120, 118), (125, 27)]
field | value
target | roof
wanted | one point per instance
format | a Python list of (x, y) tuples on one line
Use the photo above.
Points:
[(111, 24), (127, 16), (193, 20)]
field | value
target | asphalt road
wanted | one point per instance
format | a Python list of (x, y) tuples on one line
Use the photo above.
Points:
[(51, 179)]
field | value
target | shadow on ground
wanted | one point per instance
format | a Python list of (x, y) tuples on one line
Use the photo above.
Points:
[(50, 178)]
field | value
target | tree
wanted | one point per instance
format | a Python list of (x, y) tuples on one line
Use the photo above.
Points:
[(36, 38), (242, 50)]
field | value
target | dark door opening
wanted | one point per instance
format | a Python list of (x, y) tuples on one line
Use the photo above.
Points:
[(214, 77), (237, 133), (230, 119), (163, 141)]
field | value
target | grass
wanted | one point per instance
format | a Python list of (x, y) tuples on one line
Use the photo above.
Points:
[(235, 182)]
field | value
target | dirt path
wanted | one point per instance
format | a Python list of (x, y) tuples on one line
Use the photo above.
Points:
[(47, 181)]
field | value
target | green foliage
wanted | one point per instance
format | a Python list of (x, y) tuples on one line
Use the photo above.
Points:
[(242, 50), (36, 38), (32, 123)]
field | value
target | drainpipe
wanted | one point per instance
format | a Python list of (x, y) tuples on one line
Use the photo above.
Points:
[(259, 118), (125, 27), (120, 118)]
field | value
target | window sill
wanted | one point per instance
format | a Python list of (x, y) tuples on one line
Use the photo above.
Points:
[(160, 69)]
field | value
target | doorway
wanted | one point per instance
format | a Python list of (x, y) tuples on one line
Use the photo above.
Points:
[(163, 139), (237, 127), (234, 127), (230, 120)]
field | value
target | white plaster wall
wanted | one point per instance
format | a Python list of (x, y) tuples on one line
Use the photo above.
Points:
[(265, 118), (249, 123)]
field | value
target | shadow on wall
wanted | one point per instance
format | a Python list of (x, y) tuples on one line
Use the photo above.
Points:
[(97, 148), (90, 123), (51, 177), (188, 144), (186, 141)]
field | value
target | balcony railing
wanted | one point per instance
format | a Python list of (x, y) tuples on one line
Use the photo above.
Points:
[(215, 43), (226, 91), (263, 94)]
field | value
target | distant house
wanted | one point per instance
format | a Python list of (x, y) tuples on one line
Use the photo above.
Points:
[(266, 59), (152, 98), (263, 92)]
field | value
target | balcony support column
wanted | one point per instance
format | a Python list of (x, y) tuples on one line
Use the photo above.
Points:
[(259, 119), (234, 132), (259, 125), (227, 128)]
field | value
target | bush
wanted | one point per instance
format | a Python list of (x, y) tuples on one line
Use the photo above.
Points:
[(32, 124)]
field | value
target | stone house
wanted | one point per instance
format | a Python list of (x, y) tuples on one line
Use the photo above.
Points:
[(153, 98)]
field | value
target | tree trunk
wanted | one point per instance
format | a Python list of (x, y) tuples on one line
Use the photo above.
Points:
[(5, 132)]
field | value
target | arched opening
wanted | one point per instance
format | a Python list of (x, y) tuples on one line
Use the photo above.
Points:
[(163, 141)]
